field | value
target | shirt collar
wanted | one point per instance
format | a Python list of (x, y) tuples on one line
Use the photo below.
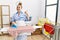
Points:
[(20, 12)]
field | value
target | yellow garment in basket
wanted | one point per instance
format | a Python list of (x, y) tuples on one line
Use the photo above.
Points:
[(46, 33), (42, 21)]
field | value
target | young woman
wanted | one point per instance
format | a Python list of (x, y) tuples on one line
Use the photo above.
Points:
[(19, 15)]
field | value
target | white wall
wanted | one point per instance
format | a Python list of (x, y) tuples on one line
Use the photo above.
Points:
[(59, 13), (35, 8)]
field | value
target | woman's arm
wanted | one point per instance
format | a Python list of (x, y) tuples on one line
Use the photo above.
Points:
[(13, 20)]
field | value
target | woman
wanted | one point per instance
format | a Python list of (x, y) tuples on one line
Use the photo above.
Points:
[(19, 15)]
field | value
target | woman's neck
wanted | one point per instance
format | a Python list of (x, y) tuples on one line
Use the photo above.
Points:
[(18, 13)]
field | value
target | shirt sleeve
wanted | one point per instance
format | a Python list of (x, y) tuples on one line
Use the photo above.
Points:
[(12, 19), (26, 18)]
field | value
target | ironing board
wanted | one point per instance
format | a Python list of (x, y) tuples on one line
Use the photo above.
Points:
[(15, 31)]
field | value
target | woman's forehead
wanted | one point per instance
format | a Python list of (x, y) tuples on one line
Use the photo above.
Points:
[(18, 5)]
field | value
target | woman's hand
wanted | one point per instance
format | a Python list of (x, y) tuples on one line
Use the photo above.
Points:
[(13, 23), (27, 14)]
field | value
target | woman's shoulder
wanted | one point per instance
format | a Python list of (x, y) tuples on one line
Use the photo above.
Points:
[(15, 14)]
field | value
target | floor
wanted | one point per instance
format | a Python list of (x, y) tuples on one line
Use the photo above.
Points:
[(33, 37), (37, 37)]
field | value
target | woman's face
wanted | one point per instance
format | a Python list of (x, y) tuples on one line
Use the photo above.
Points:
[(19, 7)]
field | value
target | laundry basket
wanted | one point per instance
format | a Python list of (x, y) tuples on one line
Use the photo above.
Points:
[(50, 29)]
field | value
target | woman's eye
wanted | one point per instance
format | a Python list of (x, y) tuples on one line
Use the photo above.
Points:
[(19, 7)]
